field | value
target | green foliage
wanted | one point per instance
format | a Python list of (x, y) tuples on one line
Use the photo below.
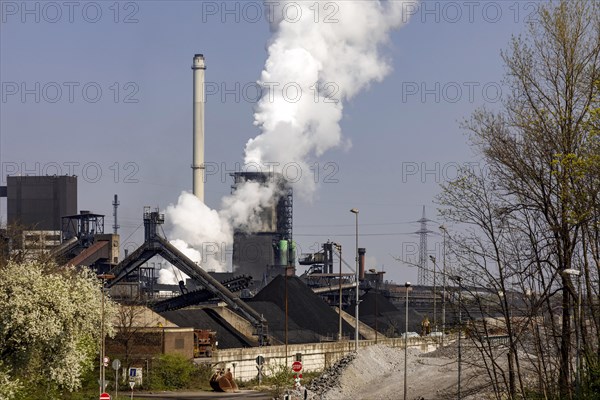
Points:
[(9, 387), (172, 371), (201, 377), (280, 378), (590, 382)]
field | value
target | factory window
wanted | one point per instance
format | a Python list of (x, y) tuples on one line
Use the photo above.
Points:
[(298, 356)]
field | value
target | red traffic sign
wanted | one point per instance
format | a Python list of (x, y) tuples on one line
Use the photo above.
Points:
[(297, 366), (105, 396)]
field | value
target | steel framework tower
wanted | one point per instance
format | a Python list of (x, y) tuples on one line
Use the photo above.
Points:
[(423, 277)]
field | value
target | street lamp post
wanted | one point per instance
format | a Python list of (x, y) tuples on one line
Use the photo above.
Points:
[(458, 279), (101, 381), (376, 311), (286, 316), (406, 286), (355, 212), (443, 229), (432, 258), (578, 344), (340, 295)]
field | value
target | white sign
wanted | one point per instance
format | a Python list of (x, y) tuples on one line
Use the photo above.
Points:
[(131, 384), (135, 374)]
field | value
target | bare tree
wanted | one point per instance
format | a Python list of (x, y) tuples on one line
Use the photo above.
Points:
[(488, 257), (132, 338), (535, 193)]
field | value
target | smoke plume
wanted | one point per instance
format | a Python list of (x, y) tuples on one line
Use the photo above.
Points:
[(315, 64), (318, 58), (205, 235)]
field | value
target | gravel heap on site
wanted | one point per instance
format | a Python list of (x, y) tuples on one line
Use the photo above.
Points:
[(377, 373), (450, 350), (359, 377), (330, 377)]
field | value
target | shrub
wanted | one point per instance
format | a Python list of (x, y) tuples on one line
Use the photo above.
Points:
[(172, 371), (281, 378)]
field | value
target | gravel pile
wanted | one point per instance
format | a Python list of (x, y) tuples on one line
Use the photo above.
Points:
[(330, 377), (450, 350), (376, 373), (357, 376)]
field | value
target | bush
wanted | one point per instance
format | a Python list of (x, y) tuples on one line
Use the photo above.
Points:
[(281, 378), (201, 377), (172, 371)]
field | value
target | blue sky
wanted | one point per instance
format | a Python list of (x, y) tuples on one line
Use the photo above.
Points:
[(134, 139)]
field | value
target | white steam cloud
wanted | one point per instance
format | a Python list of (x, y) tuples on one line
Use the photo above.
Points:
[(319, 57), (205, 235), (315, 63)]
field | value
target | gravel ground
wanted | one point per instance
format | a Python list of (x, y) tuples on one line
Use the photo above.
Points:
[(377, 373)]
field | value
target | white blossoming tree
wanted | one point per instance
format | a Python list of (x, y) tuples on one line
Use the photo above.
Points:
[(49, 327)]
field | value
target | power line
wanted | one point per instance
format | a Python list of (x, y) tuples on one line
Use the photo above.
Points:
[(348, 234), (352, 225), (132, 233)]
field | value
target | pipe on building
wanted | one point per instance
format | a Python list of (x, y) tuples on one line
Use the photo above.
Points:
[(361, 262), (199, 68)]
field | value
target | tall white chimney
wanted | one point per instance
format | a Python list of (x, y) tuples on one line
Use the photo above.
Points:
[(199, 98)]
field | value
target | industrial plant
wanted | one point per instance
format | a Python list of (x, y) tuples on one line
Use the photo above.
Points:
[(263, 302)]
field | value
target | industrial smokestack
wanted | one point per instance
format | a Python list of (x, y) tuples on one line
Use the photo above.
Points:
[(361, 263), (199, 98)]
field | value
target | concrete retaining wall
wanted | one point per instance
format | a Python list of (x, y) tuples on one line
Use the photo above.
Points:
[(314, 356)]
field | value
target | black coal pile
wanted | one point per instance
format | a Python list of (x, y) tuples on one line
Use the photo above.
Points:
[(372, 302), (206, 318), (310, 319), (276, 325), (329, 379), (378, 312)]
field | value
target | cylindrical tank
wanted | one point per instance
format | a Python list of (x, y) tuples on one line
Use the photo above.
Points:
[(292, 253), (361, 263), (283, 252)]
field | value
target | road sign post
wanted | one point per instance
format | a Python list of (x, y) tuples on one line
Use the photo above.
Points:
[(116, 364), (297, 366), (260, 361), (131, 385)]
